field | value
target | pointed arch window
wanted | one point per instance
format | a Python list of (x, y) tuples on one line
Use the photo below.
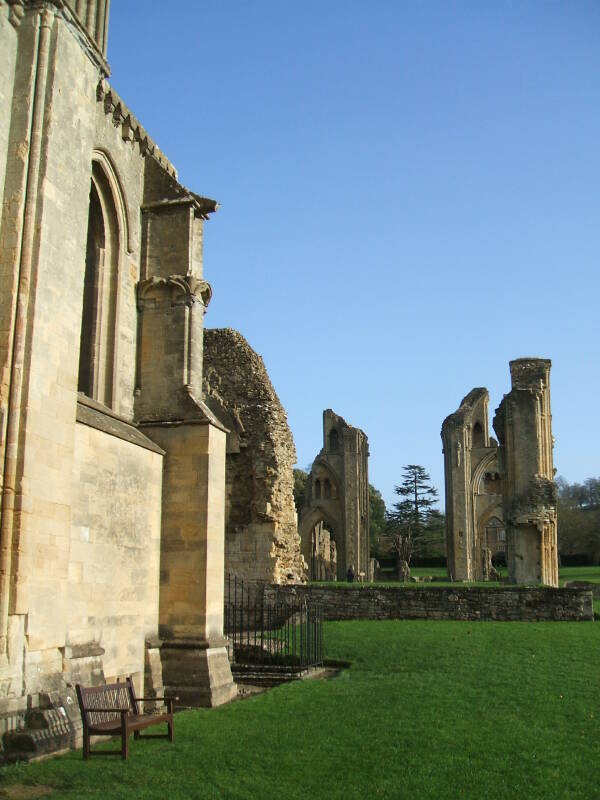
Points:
[(97, 357)]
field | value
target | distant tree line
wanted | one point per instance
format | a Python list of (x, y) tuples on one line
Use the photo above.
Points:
[(579, 522)]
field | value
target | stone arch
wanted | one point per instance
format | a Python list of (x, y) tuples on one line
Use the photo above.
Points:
[(321, 470), (102, 158), (480, 470), (332, 521), (107, 233)]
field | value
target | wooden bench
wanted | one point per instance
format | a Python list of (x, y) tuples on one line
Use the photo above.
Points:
[(112, 710)]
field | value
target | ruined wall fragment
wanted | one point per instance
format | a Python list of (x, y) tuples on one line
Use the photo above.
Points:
[(337, 497), (523, 422), (261, 533), (474, 515), (502, 499)]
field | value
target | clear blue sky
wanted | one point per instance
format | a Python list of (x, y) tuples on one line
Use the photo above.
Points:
[(410, 198)]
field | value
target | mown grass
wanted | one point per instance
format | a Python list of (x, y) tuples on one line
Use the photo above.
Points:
[(590, 574), (427, 710)]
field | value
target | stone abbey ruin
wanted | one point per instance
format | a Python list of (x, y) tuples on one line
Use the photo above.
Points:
[(334, 522), (500, 495), (144, 457)]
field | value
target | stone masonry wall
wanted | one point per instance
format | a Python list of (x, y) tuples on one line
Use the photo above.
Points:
[(114, 551), (536, 604), (261, 532)]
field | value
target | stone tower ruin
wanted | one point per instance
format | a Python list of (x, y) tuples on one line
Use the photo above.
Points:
[(501, 496), (337, 500)]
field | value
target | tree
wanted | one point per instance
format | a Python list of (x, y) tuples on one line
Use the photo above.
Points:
[(300, 478), (579, 521), (377, 518), (414, 524)]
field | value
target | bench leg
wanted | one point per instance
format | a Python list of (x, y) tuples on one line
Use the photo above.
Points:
[(124, 739), (86, 745), (171, 730)]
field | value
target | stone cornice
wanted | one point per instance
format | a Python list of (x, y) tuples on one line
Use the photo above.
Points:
[(203, 206), (131, 130), (95, 415)]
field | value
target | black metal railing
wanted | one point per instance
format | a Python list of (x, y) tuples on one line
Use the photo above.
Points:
[(286, 636)]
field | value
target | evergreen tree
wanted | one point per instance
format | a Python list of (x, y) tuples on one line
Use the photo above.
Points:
[(413, 522)]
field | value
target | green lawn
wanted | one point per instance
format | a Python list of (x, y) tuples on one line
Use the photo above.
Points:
[(591, 574), (427, 710)]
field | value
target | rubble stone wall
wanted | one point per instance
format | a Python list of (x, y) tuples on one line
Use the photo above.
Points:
[(261, 531), (510, 604)]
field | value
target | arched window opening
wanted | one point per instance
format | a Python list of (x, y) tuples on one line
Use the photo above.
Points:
[(327, 489), (478, 438), (334, 440), (318, 489), (495, 535), (99, 311)]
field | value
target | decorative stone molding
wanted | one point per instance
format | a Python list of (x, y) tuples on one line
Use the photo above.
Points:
[(131, 130), (93, 16), (183, 290), (16, 12)]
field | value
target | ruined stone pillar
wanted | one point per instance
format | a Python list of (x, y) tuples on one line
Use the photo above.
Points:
[(523, 423), (457, 470)]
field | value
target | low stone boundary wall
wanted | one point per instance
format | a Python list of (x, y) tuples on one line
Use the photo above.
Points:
[(585, 586), (460, 603)]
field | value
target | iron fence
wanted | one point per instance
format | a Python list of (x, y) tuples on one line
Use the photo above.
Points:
[(286, 636)]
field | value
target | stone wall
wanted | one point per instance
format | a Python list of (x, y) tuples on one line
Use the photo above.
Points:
[(86, 356), (510, 604), (114, 561), (261, 534)]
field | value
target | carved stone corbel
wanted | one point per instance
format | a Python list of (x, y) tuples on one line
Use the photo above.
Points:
[(181, 290)]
